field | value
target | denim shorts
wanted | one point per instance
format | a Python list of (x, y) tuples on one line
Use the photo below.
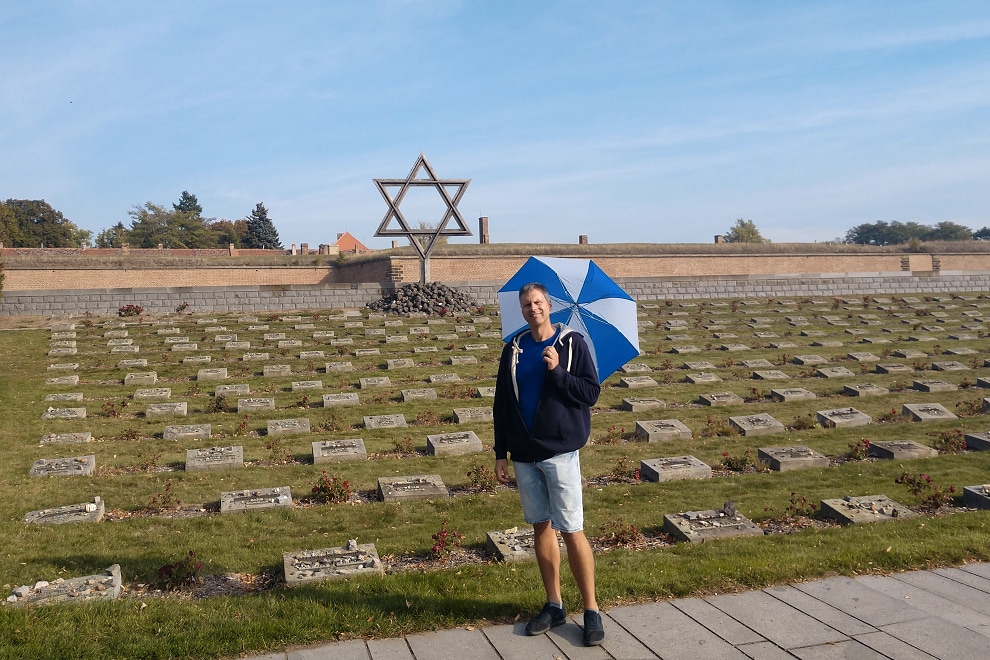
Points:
[(551, 490)]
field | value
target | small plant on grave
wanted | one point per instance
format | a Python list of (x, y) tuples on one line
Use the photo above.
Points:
[(272, 318), (617, 534), (303, 401), (889, 416), (948, 442), (859, 450), (734, 305), (973, 408), (445, 541), (150, 462), (242, 427), (165, 500), (923, 487), (331, 488), (755, 395), (194, 390), (965, 383), (729, 363), (429, 418), (624, 469), (937, 349), (666, 364), (404, 446), (783, 359), (920, 366), (129, 434), (218, 404), (482, 477), (181, 307), (803, 423), (331, 422), (800, 506), (278, 455), (183, 573), (130, 310), (836, 303), (975, 363), (718, 428), (109, 409), (740, 462), (612, 437)]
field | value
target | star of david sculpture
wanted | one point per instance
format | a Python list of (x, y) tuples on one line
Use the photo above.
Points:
[(423, 239)]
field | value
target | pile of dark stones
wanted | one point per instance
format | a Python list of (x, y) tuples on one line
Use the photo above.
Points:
[(432, 299)]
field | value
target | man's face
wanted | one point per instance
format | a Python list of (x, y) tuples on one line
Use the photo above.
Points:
[(535, 307)]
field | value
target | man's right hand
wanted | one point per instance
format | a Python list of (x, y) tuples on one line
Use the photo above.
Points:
[(502, 470)]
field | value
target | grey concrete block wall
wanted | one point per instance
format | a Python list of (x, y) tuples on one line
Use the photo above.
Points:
[(343, 296)]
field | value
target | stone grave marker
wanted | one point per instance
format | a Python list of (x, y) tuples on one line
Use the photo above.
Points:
[(64, 413), (661, 430), (759, 424), (65, 396), (700, 526), (852, 510), (304, 385), (516, 544), (782, 344), (118, 342), (633, 382), (288, 426), (900, 450), (679, 338), (67, 366), (833, 372), (443, 378), (634, 404), (934, 385), (960, 351), (73, 513), (792, 394), (374, 381), (395, 420), (734, 347), (340, 399), (232, 389), (446, 336), (453, 444), (396, 339), (290, 343), (926, 412), (417, 487), (88, 588), (400, 363), (720, 399), (635, 368), (843, 418), (702, 377), (807, 360), (76, 466), (949, 365), (331, 451), (196, 359), (783, 459), (909, 354), (165, 409), (237, 346), (184, 348), (64, 335), (273, 370), (374, 332), (978, 441), (331, 563), (771, 374), (366, 352), (863, 357), (188, 432), (757, 364), (226, 339), (486, 392), (424, 349), (153, 394), (700, 366), (168, 331), (475, 347), (252, 404), (419, 394), (673, 468), (58, 352), (311, 355), (864, 389), (977, 497), (419, 330), (457, 360), (274, 336), (394, 323), (679, 350), (216, 373), (61, 438), (255, 499), (141, 378), (332, 367), (255, 357), (469, 415), (214, 458), (324, 334), (894, 368)]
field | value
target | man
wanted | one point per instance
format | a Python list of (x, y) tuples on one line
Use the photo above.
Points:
[(547, 383)]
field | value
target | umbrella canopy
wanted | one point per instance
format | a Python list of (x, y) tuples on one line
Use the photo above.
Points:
[(584, 298)]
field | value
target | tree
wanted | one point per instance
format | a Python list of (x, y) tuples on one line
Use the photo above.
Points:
[(744, 231), (230, 232), (982, 234), (113, 237), (261, 232), (898, 233), (188, 204), (949, 231), (34, 223)]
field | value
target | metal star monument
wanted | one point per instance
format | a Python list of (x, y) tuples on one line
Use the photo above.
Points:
[(450, 191)]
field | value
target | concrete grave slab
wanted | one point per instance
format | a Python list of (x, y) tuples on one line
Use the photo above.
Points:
[(894, 368), (416, 487), (255, 357), (397, 339), (69, 366), (73, 513), (720, 399), (153, 394), (673, 468), (188, 432), (771, 374), (735, 347), (680, 350), (826, 343), (949, 365), (331, 563), (456, 360), (864, 389), (978, 441), (419, 394), (975, 497), (254, 404), (662, 430), (333, 367), (340, 399), (258, 499), (166, 409), (701, 526), (783, 459), (633, 382), (700, 366), (65, 396), (332, 451), (909, 354), (702, 377), (142, 378), (275, 370), (197, 359), (306, 385), (400, 363), (374, 381), (76, 466), (900, 450), (393, 421), (807, 360), (237, 389), (88, 588), (215, 373), (443, 378), (759, 424), (757, 364), (863, 509), (833, 372), (782, 344), (453, 444), (288, 426), (633, 404), (470, 415), (63, 438), (214, 458), (515, 544), (64, 413), (926, 412), (635, 368), (184, 348), (843, 418)]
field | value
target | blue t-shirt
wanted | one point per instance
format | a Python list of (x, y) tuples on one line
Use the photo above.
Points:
[(531, 370)]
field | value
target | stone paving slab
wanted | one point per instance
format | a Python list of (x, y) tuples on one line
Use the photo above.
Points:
[(940, 638), (776, 621), (934, 603), (453, 644), (823, 612), (672, 634), (858, 600), (891, 647)]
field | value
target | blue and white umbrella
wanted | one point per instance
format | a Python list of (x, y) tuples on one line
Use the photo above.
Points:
[(584, 298)]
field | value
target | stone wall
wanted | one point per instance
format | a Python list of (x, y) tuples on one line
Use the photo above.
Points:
[(278, 298)]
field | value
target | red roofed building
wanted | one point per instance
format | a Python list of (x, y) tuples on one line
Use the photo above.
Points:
[(347, 243)]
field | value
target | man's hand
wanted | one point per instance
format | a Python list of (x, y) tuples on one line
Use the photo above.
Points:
[(551, 358), (502, 470)]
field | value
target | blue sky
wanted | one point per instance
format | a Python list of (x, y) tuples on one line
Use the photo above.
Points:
[(625, 121)]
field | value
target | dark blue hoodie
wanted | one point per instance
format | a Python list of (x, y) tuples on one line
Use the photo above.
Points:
[(563, 415)]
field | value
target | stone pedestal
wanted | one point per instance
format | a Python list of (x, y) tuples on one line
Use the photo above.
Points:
[(700, 526), (760, 424), (902, 450), (673, 468), (453, 444), (417, 487), (843, 418), (332, 451), (85, 512), (926, 412), (661, 430), (214, 458), (255, 500), (331, 563), (867, 508), (783, 459)]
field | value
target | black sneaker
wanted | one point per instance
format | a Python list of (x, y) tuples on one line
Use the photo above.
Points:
[(548, 617), (594, 631)]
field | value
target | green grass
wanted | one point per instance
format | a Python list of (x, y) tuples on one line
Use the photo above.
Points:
[(448, 595)]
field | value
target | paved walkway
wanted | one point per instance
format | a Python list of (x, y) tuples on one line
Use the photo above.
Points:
[(943, 613)]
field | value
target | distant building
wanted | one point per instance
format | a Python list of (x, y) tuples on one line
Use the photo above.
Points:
[(347, 243)]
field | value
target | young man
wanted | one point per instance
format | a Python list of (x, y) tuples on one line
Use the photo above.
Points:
[(547, 383)]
